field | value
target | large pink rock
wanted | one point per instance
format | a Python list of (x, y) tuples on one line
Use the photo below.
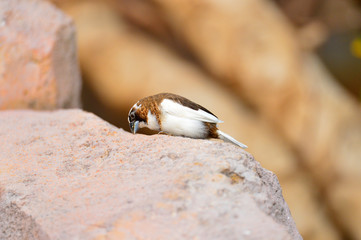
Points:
[(38, 63), (70, 175)]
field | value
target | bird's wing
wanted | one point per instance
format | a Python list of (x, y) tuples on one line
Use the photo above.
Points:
[(176, 109)]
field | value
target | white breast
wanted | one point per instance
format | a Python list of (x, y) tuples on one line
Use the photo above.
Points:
[(152, 122)]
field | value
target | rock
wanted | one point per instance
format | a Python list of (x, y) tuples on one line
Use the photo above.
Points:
[(38, 62), (69, 175), (332, 120), (254, 50), (345, 199), (303, 199)]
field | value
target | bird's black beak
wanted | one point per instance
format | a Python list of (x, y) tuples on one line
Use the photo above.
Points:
[(134, 126)]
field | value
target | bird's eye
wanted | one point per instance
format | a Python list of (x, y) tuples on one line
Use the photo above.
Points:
[(131, 116)]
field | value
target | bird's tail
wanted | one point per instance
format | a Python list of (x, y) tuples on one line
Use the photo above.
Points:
[(227, 138)]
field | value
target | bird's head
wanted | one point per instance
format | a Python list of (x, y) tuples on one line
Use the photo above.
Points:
[(136, 118)]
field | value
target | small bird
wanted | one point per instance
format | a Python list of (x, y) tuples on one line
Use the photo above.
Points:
[(175, 115)]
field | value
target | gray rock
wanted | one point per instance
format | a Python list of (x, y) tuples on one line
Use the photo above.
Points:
[(70, 175)]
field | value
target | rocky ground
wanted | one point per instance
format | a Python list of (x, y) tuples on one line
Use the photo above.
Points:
[(70, 175)]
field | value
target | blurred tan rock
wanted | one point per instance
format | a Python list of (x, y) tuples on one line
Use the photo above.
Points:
[(78, 177), (246, 43), (311, 218), (346, 197), (332, 121), (38, 63)]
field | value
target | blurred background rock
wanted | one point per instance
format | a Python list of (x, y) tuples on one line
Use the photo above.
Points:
[(285, 76)]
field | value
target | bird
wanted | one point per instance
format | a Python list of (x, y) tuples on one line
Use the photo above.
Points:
[(178, 116)]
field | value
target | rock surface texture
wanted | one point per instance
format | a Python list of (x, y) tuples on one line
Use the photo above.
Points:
[(69, 175), (38, 63)]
